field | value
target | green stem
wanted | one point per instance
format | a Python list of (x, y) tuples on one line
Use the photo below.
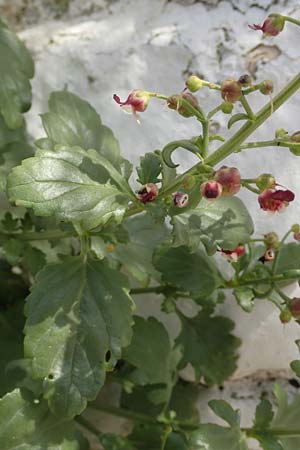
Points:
[(271, 143), (281, 294), (121, 412), (247, 107), (88, 425), (153, 289), (291, 19), (205, 125), (214, 111)]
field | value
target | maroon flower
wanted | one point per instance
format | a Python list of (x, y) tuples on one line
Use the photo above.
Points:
[(234, 255), (211, 190), (231, 91), (148, 193), (272, 200), (272, 26), (294, 307), (230, 179), (180, 199), (137, 101)]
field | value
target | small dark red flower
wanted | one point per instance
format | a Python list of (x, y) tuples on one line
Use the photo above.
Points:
[(148, 193), (230, 179), (272, 26), (211, 190), (234, 255), (272, 200), (231, 91), (180, 199), (137, 101)]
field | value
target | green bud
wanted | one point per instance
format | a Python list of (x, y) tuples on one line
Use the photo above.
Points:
[(296, 228), (281, 133), (295, 137), (188, 182), (227, 107), (271, 240), (285, 316), (266, 87), (194, 83), (265, 181)]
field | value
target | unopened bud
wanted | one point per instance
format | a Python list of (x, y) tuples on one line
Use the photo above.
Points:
[(265, 181), (295, 137), (245, 80), (296, 231), (272, 26), (271, 240), (281, 133), (148, 193), (188, 182), (174, 102), (227, 107), (180, 199), (294, 307), (266, 87), (211, 190), (231, 91), (285, 316), (194, 83), (230, 179)]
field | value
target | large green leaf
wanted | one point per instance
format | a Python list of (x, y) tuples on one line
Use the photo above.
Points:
[(27, 424), (72, 121), (153, 358), (78, 319), (67, 183), (225, 221), (16, 70), (214, 437), (191, 272), (208, 346), (288, 257)]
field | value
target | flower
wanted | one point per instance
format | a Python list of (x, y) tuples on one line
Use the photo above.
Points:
[(294, 307), (272, 200), (137, 101), (231, 90), (266, 87), (229, 178), (174, 102), (234, 255), (148, 193), (211, 190), (180, 199), (272, 26)]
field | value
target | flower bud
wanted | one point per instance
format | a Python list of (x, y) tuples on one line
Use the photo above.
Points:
[(174, 102), (272, 200), (294, 307), (281, 133), (265, 181), (211, 190), (271, 240), (285, 316), (194, 83), (272, 26), (148, 193), (188, 182), (230, 179), (231, 91), (227, 107), (295, 137), (137, 101), (266, 87), (296, 231), (234, 255), (180, 199), (245, 80)]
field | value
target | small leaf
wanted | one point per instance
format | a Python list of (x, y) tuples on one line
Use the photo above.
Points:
[(150, 168), (191, 272), (78, 319), (235, 118), (66, 183), (263, 415), (208, 346), (13, 250), (26, 423), (226, 412), (245, 297)]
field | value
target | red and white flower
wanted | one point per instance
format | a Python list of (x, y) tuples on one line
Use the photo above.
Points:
[(275, 200)]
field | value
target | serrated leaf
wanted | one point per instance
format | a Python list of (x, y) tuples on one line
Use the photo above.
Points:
[(208, 346), (245, 298), (12, 155), (191, 272), (150, 168), (236, 118), (224, 410), (72, 121), (225, 221), (13, 249), (78, 319), (263, 415), (66, 183), (267, 440), (153, 358), (27, 424)]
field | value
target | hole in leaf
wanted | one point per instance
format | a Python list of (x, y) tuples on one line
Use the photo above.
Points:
[(107, 356)]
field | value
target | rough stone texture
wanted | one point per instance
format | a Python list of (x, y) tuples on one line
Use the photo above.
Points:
[(98, 47)]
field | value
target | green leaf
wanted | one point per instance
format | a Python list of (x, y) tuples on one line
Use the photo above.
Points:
[(150, 168), (208, 346), (184, 401), (66, 183), (16, 70), (26, 424), (287, 417), (225, 221), (78, 319), (245, 297), (263, 415), (215, 437), (72, 121), (295, 365), (151, 437), (191, 272), (9, 136), (267, 440), (288, 257), (13, 249), (111, 441), (153, 358), (11, 156), (236, 118)]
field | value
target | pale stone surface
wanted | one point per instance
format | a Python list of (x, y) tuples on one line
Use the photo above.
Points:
[(154, 45)]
